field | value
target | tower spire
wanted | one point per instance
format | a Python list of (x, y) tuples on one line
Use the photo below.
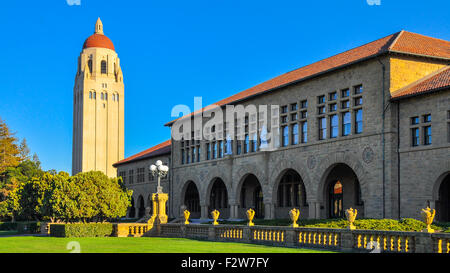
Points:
[(99, 26)]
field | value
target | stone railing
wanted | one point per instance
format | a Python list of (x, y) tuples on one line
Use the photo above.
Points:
[(130, 229), (324, 238)]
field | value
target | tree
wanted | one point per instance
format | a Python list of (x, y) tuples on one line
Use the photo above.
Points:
[(24, 151), (9, 151)]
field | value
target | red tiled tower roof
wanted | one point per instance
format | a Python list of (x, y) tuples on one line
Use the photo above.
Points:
[(98, 40)]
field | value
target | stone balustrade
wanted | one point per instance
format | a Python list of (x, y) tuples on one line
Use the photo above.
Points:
[(130, 229), (324, 238)]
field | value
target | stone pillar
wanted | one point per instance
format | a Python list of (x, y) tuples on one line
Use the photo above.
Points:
[(424, 243), (347, 240), (290, 238), (269, 210), (314, 210), (204, 212)]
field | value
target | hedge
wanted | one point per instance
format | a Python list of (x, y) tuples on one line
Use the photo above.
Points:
[(81, 230), (8, 226)]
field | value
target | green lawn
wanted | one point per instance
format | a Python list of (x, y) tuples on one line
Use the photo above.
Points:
[(31, 244)]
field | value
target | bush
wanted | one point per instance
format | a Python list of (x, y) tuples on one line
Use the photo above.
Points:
[(81, 230), (8, 226), (29, 227)]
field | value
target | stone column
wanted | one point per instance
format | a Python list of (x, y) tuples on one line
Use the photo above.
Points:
[(269, 209), (204, 212), (314, 210)]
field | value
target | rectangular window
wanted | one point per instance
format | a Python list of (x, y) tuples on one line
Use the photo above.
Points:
[(284, 119), (214, 155), (426, 118), (358, 121), (194, 154), (345, 93), (285, 132), (414, 120), (294, 107), (345, 104), (415, 136), (295, 134), (304, 104), (255, 143), (321, 110), (220, 155), (321, 99), (246, 144), (358, 89), (238, 147), (346, 123), (293, 117), (304, 114), (198, 153), (322, 128), (304, 132), (182, 156), (334, 126), (358, 101), (333, 96), (140, 175), (130, 176), (284, 109), (333, 107), (188, 157), (208, 151), (427, 135)]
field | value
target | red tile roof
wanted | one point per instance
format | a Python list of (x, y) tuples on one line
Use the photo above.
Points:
[(160, 149), (98, 40), (400, 42), (435, 81)]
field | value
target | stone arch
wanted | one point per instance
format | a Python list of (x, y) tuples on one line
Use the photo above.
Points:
[(208, 188), (329, 162), (339, 189), (249, 198), (283, 211), (141, 206), (221, 201), (441, 173), (239, 177), (284, 166), (188, 186)]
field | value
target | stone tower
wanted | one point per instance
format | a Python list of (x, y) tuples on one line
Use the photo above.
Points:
[(98, 107)]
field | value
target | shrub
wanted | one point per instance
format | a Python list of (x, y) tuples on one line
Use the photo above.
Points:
[(29, 227), (81, 230), (8, 226)]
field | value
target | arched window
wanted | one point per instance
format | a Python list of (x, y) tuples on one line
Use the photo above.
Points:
[(90, 94), (106, 96), (95, 95), (103, 67), (90, 66), (117, 97)]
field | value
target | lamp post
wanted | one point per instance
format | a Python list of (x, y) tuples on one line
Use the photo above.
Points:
[(159, 170)]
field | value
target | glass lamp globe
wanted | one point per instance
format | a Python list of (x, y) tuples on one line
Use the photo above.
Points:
[(158, 163), (152, 168)]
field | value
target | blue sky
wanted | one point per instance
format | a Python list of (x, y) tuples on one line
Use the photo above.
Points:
[(172, 51)]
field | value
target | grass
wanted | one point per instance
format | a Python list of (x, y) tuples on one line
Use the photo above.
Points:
[(32, 244)]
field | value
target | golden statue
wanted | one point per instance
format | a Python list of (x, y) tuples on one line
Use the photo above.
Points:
[(294, 213), (186, 214), (250, 215), (351, 216), (215, 214), (428, 217)]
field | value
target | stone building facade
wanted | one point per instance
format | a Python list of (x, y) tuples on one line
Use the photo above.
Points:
[(137, 177), (342, 137)]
